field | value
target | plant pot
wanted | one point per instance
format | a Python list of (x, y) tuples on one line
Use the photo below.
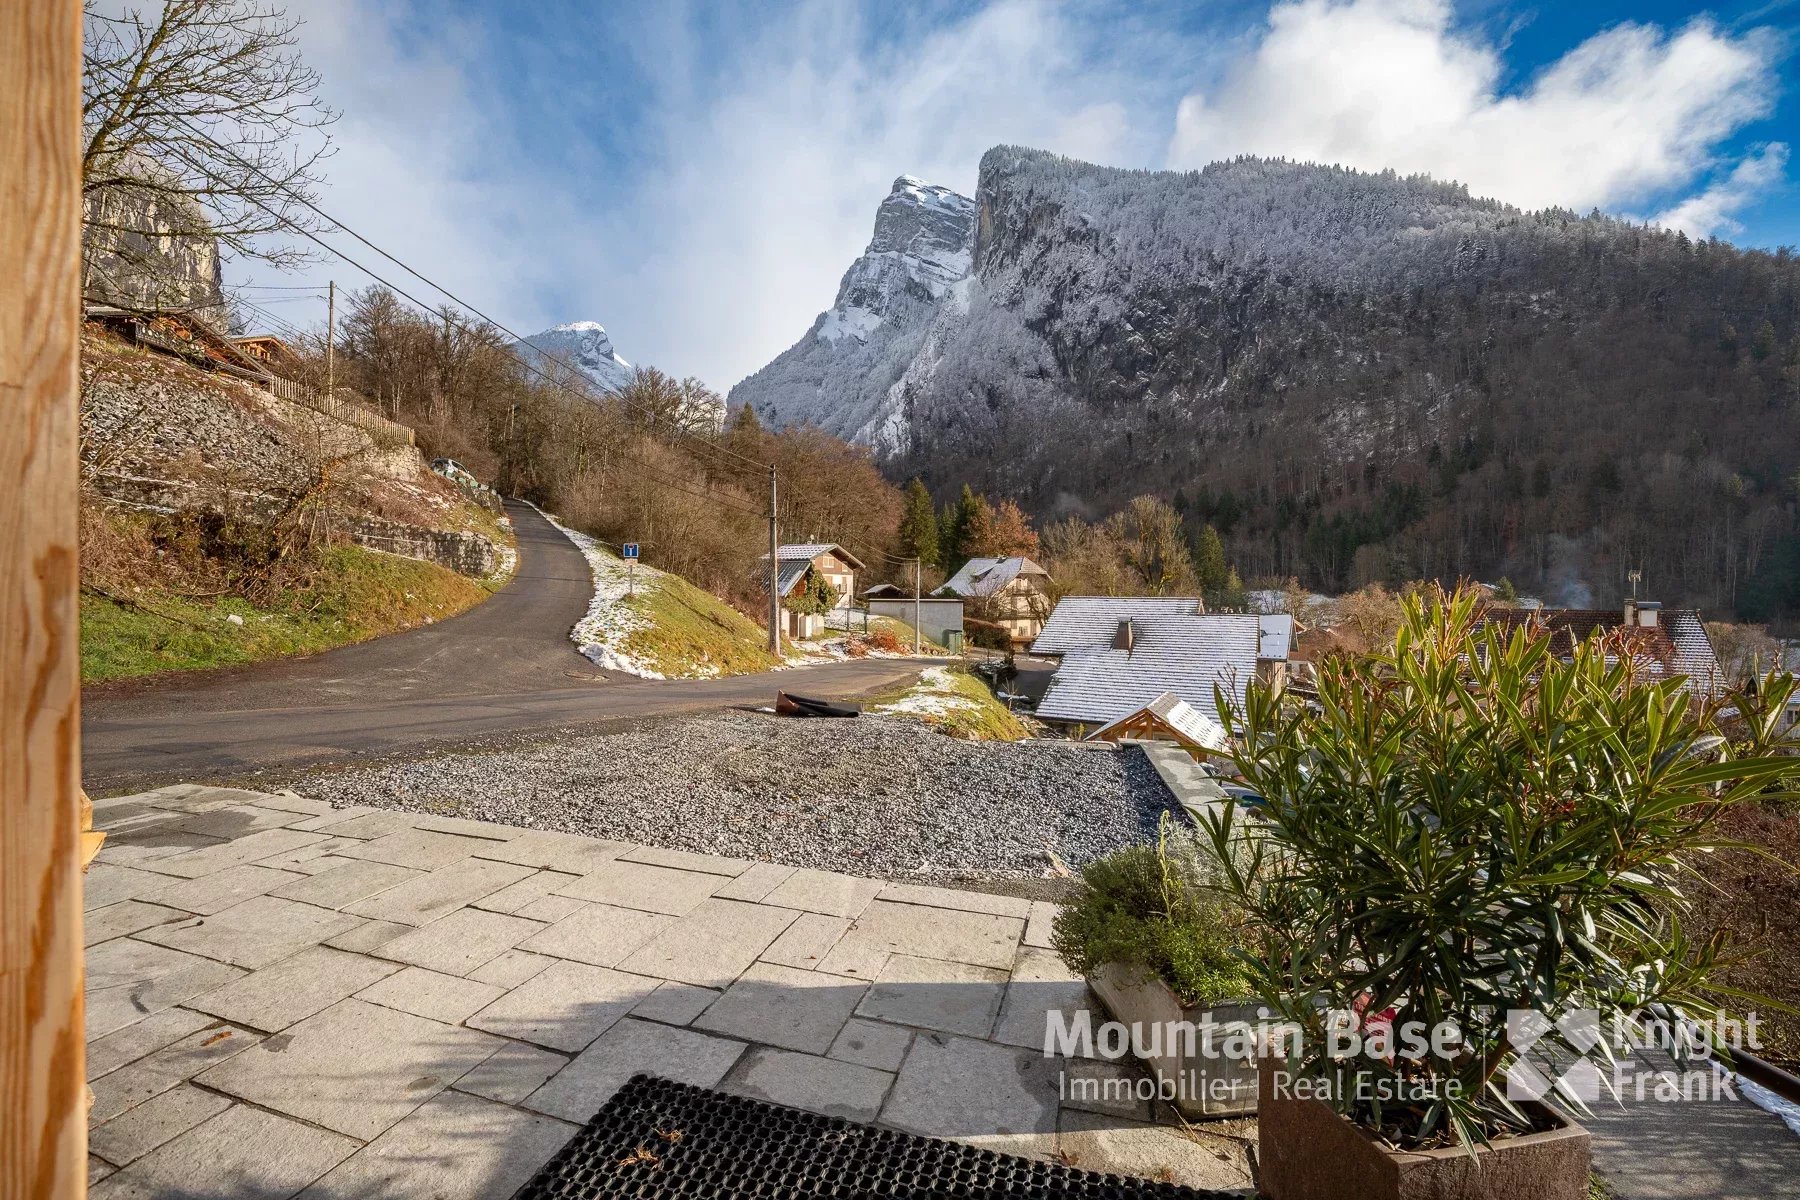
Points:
[(1307, 1151), (1206, 1083)]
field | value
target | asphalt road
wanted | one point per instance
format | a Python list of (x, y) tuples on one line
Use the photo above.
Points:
[(506, 666)]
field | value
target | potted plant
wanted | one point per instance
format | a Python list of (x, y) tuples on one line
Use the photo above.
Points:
[(1160, 950), (1475, 837)]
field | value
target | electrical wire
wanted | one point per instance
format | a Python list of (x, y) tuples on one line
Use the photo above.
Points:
[(301, 200)]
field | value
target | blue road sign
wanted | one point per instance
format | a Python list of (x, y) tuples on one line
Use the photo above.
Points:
[(630, 549)]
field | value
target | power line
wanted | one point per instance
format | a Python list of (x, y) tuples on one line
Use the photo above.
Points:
[(453, 297)]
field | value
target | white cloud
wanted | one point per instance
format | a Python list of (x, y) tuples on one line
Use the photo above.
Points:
[(1627, 114), (758, 150), (1710, 211)]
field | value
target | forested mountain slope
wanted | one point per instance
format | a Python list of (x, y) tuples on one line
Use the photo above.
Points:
[(1359, 377)]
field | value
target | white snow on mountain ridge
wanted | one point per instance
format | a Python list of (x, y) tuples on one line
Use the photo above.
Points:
[(583, 345), (839, 376)]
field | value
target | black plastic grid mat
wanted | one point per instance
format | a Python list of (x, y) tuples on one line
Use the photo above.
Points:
[(663, 1140)]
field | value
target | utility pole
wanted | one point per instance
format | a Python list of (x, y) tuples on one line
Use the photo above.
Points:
[(774, 575), (330, 340), (43, 1138), (918, 605)]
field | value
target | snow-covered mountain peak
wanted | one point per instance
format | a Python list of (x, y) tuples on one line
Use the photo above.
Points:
[(584, 345), (838, 375)]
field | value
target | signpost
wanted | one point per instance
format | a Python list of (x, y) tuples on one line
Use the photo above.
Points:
[(630, 553)]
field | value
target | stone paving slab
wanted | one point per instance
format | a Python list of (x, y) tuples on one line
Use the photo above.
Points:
[(713, 946), (628, 1048), (598, 934), (756, 883), (932, 994), (511, 969), (432, 995), (421, 849), (219, 855), (956, 899), (781, 1006), (222, 889), (255, 933), (140, 1038), (675, 1003), (1041, 984), (822, 1085), (687, 860), (345, 881), (565, 852), (456, 1147), (127, 917), (356, 1068), (991, 1096), (872, 1044), (515, 896), (886, 927), (108, 883), (824, 892), (807, 941), (242, 1153), (512, 1073), (1110, 1143), (147, 849), (137, 1131), (128, 980), (168, 1068), (460, 942), (643, 886), (565, 1006), (454, 1016), (423, 900), (293, 989)]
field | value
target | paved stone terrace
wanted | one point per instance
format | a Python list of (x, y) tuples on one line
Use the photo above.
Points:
[(290, 999)]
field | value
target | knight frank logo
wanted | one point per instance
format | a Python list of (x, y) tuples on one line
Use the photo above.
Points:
[(1535, 1077)]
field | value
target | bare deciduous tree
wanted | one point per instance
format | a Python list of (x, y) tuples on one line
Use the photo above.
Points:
[(201, 121)]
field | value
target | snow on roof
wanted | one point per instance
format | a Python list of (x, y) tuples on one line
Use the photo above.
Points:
[(987, 576), (1175, 648), (791, 573), (811, 550), (1179, 716)]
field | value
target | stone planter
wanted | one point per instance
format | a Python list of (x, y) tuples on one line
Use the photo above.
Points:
[(1306, 1151), (1205, 1084)]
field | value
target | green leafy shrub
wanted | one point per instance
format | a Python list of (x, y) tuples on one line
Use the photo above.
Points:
[(1147, 907), (1470, 824)]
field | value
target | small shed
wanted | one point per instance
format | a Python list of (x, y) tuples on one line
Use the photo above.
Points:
[(1168, 718)]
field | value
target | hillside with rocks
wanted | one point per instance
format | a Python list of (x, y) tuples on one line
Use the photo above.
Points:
[(1353, 377)]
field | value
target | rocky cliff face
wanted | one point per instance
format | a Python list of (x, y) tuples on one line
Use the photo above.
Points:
[(145, 246), (583, 345), (840, 375), (1357, 376)]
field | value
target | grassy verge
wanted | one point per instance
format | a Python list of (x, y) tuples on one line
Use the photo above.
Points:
[(690, 632), (355, 594), (953, 702)]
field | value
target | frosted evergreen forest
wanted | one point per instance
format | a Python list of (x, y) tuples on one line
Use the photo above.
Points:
[(1353, 377)]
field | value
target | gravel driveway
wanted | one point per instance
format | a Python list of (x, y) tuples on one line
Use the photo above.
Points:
[(879, 796)]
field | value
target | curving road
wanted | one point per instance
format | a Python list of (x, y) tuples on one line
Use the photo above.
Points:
[(505, 666)]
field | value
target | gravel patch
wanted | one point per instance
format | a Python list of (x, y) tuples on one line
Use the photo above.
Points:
[(879, 796)]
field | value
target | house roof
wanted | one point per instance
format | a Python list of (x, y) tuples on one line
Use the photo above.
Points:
[(1175, 648), (792, 572), (1676, 645), (811, 550), (987, 576), (1179, 717)]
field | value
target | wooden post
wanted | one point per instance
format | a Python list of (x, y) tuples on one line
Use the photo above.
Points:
[(43, 1134)]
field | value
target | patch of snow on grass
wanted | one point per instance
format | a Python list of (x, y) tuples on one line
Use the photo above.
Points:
[(602, 633), (935, 695)]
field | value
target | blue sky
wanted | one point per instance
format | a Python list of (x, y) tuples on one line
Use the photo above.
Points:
[(697, 176)]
